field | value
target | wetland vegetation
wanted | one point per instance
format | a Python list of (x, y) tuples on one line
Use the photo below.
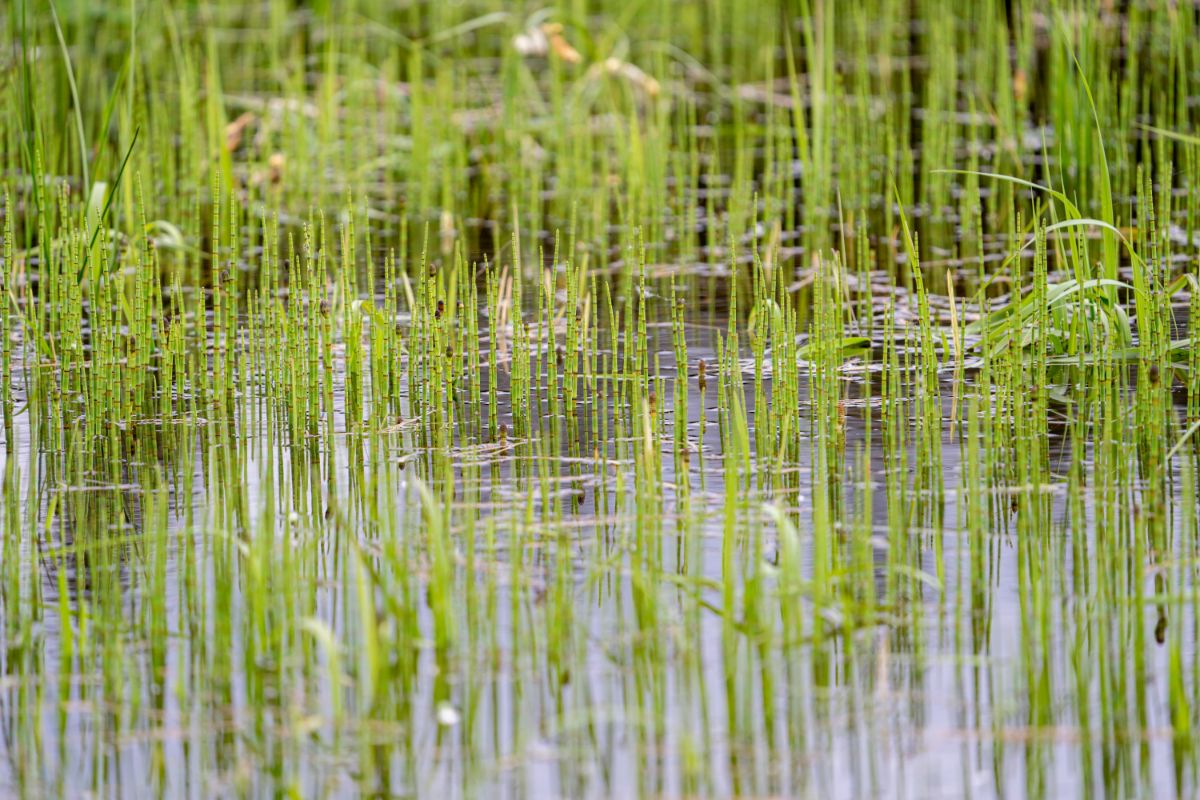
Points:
[(599, 398)]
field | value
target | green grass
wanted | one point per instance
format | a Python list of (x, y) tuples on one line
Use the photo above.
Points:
[(599, 399)]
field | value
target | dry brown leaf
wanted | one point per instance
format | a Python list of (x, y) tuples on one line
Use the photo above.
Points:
[(275, 167), (558, 43), (563, 49), (235, 129), (633, 74)]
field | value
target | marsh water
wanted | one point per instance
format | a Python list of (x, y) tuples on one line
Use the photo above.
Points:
[(475, 419)]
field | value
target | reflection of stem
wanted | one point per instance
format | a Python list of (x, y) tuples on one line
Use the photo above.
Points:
[(1161, 587)]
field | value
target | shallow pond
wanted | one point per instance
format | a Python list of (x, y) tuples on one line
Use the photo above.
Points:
[(456, 403)]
